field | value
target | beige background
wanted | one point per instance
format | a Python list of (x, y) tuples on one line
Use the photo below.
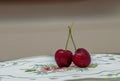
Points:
[(41, 29)]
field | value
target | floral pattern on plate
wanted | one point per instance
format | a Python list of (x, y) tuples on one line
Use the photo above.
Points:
[(45, 68)]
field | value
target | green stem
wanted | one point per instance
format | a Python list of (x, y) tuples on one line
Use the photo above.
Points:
[(70, 31), (67, 40)]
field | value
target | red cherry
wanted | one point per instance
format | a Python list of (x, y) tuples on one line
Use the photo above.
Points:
[(63, 58), (81, 58)]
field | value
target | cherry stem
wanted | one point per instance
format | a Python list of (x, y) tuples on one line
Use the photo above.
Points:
[(67, 40), (70, 32)]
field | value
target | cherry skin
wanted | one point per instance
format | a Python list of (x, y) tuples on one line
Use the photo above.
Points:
[(81, 58), (63, 58)]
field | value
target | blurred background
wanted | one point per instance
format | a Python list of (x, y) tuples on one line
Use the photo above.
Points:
[(39, 27)]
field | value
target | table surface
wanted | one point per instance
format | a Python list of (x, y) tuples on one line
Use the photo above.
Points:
[(104, 67)]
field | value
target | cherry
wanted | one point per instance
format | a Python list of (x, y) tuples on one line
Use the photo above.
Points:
[(63, 57), (81, 58)]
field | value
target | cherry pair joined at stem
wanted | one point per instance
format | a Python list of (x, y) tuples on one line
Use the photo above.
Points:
[(64, 58)]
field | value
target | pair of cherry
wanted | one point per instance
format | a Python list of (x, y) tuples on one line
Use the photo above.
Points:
[(64, 57)]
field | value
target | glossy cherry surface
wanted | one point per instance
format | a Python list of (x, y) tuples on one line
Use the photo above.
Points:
[(81, 58), (63, 58)]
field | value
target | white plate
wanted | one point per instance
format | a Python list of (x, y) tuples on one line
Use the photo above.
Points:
[(44, 68)]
